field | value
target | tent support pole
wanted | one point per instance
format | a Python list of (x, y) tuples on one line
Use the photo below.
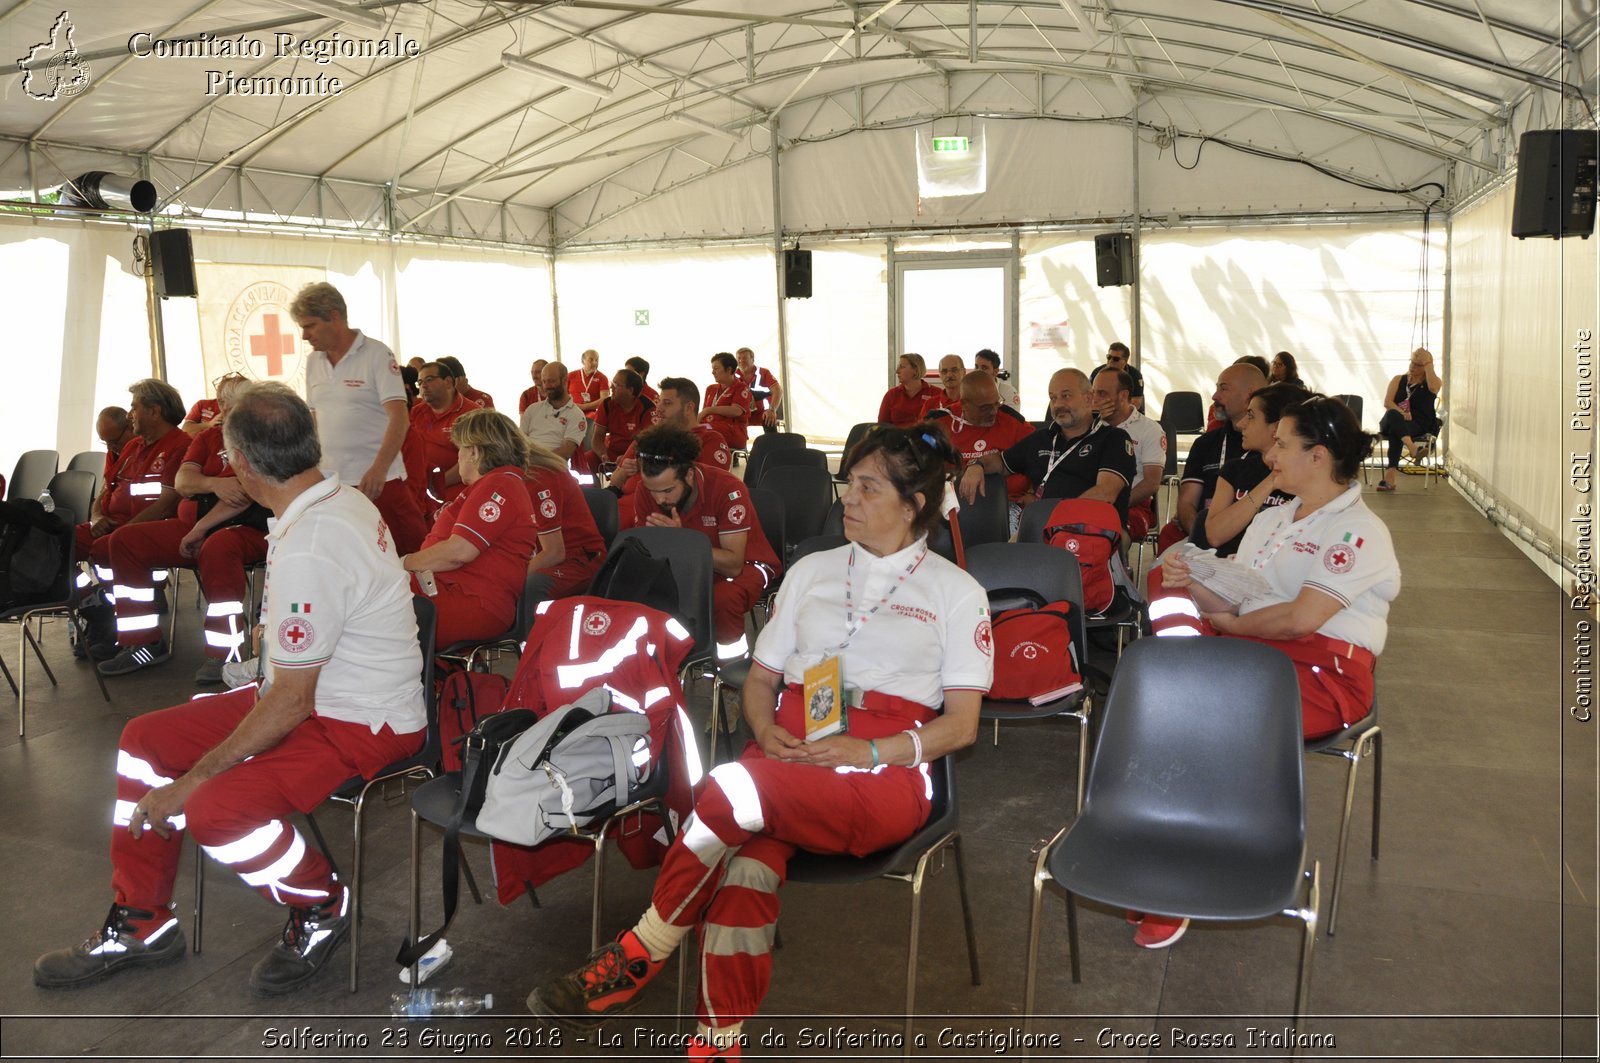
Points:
[(152, 305), (780, 274), (1137, 313)]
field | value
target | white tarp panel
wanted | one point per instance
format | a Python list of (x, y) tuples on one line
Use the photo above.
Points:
[(838, 339), (675, 309), (1516, 310)]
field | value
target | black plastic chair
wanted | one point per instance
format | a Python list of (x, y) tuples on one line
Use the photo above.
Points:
[(1353, 743), (1183, 413), (806, 494), (423, 764), (1032, 574), (92, 461), (818, 543), (603, 508), (764, 445), (62, 601), (857, 433), (32, 474), (907, 862), (1354, 402), (73, 491), (833, 523), (770, 512), (1196, 806), (988, 518), (780, 463)]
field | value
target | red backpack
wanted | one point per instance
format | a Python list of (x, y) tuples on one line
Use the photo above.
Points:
[(1034, 659), (1093, 532)]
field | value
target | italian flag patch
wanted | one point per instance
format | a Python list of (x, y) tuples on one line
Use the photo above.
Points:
[(300, 607), (1353, 539)]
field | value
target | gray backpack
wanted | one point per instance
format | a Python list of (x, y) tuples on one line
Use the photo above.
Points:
[(575, 764)]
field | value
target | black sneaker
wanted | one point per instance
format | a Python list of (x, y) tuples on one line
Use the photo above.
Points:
[(133, 658), (311, 936), (609, 981), (113, 947)]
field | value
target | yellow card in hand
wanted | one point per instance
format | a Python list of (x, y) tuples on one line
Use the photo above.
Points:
[(824, 695)]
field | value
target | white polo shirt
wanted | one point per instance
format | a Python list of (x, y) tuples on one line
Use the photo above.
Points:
[(1149, 440), (932, 635), (1342, 549), (349, 399), (337, 597), (550, 427)]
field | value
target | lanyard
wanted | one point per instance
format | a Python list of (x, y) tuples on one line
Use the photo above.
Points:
[(853, 625), (1050, 468)]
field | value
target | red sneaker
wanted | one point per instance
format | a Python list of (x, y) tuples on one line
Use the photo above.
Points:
[(1158, 931), (609, 981)]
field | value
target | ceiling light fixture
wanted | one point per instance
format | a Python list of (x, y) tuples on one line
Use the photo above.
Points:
[(527, 66), (343, 12), (704, 126)]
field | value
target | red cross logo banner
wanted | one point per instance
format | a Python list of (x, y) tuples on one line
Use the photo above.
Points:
[(245, 325), (296, 634), (272, 344)]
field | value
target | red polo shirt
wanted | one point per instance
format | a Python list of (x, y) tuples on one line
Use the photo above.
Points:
[(586, 387), (496, 516), (714, 450), (482, 398), (721, 507), (903, 410), (758, 380), (622, 425), (206, 452), (203, 412), (428, 446), (528, 398), (1009, 428), (559, 506), (733, 429)]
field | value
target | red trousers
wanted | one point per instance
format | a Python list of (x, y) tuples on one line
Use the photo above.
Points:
[(95, 551), (723, 871), (571, 577), (139, 551), (398, 506), (1336, 682), (731, 600), (1171, 532), (240, 817), (466, 617)]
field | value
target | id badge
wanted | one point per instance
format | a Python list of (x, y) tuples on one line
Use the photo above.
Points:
[(824, 700)]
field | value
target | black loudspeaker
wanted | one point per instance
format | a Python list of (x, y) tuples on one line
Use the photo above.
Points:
[(797, 274), (172, 259), (1555, 183), (1113, 259)]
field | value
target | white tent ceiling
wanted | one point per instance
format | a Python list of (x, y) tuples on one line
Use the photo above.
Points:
[(1412, 101)]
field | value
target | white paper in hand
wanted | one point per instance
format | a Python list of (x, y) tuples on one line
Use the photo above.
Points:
[(1225, 577)]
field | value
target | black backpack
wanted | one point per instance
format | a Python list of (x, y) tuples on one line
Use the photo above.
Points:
[(631, 573), (33, 552)]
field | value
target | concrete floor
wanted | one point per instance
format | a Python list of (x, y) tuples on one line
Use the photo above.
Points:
[(1471, 937)]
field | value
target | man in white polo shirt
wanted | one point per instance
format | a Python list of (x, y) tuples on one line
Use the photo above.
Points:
[(354, 388), (555, 422), (342, 697)]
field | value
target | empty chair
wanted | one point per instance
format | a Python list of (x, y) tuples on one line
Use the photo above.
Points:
[(73, 492), (1183, 413), (857, 433), (807, 495), (988, 518), (31, 474), (603, 508), (92, 461), (1354, 402), (765, 444), (833, 524), (1196, 804), (779, 462)]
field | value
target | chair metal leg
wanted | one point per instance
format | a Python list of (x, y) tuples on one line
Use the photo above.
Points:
[(7, 673), (39, 653), (199, 895), (1377, 786), (966, 910), (1072, 937), (1083, 755), (414, 898), (598, 902), (22, 680), (917, 877), (1354, 754), (355, 887), (1308, 917)]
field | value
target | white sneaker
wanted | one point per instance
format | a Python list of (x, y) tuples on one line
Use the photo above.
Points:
[(236, 674)]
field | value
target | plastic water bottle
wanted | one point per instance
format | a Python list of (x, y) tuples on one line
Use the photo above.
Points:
[(46, 501), (425, 1003)]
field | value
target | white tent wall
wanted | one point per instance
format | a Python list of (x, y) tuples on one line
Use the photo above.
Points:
[(697, 303), (838, 339), (1516, 310), (1039, 170)]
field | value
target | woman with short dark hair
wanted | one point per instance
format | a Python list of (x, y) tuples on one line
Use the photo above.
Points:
[(908, 635)]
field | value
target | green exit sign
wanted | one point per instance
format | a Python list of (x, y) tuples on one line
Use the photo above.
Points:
[(954, 145)]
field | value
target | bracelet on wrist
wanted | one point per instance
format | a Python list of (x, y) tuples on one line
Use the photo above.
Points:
[(874, 747)]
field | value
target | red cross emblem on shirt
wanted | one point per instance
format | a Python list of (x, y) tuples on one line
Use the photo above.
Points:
[(272, 344), (295, 635)]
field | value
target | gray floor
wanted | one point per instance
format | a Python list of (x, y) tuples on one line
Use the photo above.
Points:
[(1470, 938)]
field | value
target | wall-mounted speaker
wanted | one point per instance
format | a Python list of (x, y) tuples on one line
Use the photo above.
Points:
[(1113, 259), (172, 260), (1555, 183), (797, 274)]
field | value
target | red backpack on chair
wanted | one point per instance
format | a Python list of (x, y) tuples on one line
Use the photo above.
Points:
[(1093, 532), (1034, 658)]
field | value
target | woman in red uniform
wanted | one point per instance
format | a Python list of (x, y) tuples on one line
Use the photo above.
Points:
[(570, 548), (908, 401), (475, 560)]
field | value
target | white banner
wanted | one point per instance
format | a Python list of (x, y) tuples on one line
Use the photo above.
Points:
[(244, 321)]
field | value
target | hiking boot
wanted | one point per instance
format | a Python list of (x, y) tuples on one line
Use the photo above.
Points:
[(236, 674), (309, 938), (608, 982), (1158, 931), (116, 946), (209, 673), (132, 658)]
